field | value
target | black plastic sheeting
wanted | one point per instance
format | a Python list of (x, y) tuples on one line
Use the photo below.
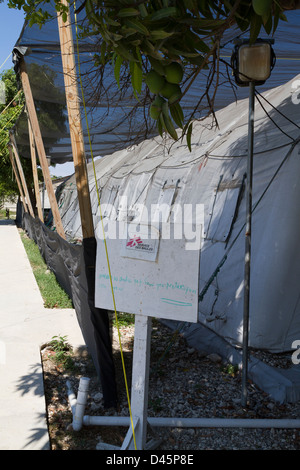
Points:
[(115, 119), (74, 268)]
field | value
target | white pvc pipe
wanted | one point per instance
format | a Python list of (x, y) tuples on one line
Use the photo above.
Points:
[(80, 403), (106, 420), (71, 397), (224, 422), (80, 419), (195, 422)]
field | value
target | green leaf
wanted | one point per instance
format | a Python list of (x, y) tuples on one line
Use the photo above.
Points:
[(177, 114), (167, 122), (262, 7), (125, 53), (183, 53), (112, 22), (268, 23), (136, 77), (160, 34), (125, 12), (143, 10), (283, 17), (190, 5), (164, 13), (189, 136), (150, 50), (159, 127), (103, 51), (276, 17), (255, 26), (157, 65), (138, 26), (243, 24)]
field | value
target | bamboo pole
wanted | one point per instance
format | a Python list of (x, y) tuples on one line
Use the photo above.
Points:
[(15, 170), (40, 147), (21, 173), (76, 133), (35, 173)]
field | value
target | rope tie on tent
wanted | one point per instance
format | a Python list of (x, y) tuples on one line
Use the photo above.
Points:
[(8, 122), (104, 238), (2, 112)]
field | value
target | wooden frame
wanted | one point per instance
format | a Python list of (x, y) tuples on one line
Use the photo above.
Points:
[(76, 132), (35, 173), (15, 170), (40, 147), (21, 172)]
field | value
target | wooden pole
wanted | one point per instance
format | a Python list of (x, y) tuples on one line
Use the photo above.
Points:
[(40, 147), (13, 164), (21, 173), (76, 133), (35, 173)]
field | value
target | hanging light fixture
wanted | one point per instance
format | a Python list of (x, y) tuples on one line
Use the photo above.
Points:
[(252, 64)]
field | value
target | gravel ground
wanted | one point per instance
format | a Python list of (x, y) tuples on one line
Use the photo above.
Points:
[(183, 383)]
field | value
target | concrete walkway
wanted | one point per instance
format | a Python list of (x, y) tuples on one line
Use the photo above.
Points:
[(25, 325)]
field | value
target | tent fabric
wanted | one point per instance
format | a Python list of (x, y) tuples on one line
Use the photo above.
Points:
[(116, 119), (213, 175), (68, 262)]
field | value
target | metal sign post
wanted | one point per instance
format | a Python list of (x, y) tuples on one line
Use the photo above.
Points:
[(248, 243), (136, 435)]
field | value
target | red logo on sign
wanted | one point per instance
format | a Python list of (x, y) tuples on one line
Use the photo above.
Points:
[(134, 241)]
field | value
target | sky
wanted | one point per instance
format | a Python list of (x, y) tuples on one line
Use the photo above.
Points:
[(11, 24)]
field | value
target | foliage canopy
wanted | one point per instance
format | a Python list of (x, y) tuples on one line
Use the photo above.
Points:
[(10, 109), (148, 38)]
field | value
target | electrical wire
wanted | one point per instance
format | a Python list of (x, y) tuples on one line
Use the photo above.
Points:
[(104, 238)]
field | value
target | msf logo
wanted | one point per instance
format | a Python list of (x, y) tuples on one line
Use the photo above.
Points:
[(135, 241)]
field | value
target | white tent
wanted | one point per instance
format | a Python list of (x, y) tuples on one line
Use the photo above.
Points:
[(212, 175)]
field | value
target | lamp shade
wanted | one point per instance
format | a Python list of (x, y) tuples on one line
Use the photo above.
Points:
[(253, 63)]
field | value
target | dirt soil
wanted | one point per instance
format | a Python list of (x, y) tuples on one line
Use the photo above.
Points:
[(183, 383)]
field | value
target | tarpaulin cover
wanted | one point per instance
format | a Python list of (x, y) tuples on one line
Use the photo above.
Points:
[(212, 175), (117, 119)]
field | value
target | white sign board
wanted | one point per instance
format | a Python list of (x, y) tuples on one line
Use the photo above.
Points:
[(151, 274)]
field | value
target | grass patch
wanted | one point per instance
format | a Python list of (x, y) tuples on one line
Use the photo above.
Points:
[(124, 319), (52, 293), (12, 214)]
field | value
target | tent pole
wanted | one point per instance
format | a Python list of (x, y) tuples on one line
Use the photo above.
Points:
[(13, 164), (21, 173), (40, 147), (34, 172), (248, 243), (76, 132)]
